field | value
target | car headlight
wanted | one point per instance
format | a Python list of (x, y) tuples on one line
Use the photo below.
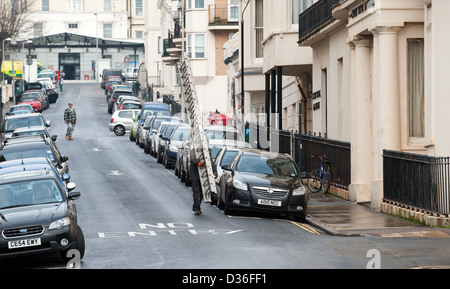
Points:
[(173, 149), (300, 191), (59, 224), (239, 185)]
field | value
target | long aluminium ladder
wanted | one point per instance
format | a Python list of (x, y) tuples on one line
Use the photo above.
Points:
[(199, 139)]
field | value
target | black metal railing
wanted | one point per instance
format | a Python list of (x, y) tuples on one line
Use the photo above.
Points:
[(337, 152), (223, 14), (315, 17), (417, 181)]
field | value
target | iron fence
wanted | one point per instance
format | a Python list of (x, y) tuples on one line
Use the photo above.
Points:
[(417, 181), (337, 152)]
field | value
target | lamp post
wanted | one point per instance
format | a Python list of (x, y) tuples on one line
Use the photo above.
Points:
[(22, 84), (3, 55)]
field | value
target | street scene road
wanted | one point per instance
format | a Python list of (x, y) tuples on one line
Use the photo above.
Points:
[(136, 214)]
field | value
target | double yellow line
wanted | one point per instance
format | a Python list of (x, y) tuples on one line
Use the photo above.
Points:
[(306, 227)]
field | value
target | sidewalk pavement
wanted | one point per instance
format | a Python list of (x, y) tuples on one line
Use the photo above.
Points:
[(340, 217)]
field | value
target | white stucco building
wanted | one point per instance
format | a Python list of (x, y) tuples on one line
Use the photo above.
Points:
[(57, 28), (208, 24), (378, 71)]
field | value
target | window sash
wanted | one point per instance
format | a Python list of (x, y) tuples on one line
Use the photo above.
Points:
[(107, 30), (416, 93)]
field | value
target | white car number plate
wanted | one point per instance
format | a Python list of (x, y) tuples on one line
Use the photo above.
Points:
[(269, 202), (24, 243)]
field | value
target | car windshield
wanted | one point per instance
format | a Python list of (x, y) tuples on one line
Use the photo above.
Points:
[(152, 111), (26, 193), (131, 105), (227, 157), (223, 134), (28, 153), (18, 108), (270, 166), (29, 132), (30, 96), (180, 134), (14, 123)]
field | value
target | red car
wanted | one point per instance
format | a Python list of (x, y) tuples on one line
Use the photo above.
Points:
[(33, 99), (219, 119)]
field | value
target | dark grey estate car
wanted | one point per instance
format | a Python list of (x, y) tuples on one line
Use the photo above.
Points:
[(37, 213)]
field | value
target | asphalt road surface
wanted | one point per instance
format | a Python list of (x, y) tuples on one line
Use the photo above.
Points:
[(136, 214)]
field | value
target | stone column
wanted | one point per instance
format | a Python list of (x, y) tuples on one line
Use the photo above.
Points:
[(361, 151), (387, 112)]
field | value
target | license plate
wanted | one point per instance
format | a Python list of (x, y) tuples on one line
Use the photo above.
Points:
[(269, 202), (24, 243)]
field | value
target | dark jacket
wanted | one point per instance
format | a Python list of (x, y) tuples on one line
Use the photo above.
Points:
[(193, 167)]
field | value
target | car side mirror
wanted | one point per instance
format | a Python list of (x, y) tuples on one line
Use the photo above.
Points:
[(73, 195), (70, 186), (64, 159), (54, 137), (47, 123), (226, 167)]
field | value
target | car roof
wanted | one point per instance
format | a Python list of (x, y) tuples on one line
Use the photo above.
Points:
[(264, 153), (220, 128), (25, 161), (30, 128), (28, 141), (155, 104), (23, 115), (25, 172)]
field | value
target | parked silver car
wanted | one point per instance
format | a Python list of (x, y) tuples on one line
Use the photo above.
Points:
[(121, 121)]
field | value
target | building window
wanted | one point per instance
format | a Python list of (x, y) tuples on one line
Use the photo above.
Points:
[(107, 5), (195, 4), (139, 8), (196, 45), (75, 5), (38, 30), (259, 31), (298, 7), (233, 11), (73, 25), (416, 87), (159, 45), (139, 34), (45, 5), (107, 30)]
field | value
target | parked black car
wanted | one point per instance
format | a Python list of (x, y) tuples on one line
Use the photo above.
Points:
[(263, 181), (37, 213), (173, 143), (34, 146)]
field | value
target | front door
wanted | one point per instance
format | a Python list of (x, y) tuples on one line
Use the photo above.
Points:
[(70, 64)]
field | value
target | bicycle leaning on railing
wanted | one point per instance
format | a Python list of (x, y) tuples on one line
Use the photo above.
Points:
[(320, 178)]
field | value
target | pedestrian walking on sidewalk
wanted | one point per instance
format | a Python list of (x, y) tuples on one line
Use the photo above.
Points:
[(61, 81), (70, 118)]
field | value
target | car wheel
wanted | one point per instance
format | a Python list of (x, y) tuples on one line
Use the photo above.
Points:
[(159, 159), (137, 139), (220, 203), (80, 247), (131, 137), (119, 130), (182, 176), (226, 204), (166, 162)]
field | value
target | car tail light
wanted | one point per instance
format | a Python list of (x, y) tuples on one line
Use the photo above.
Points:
[(112, 119)]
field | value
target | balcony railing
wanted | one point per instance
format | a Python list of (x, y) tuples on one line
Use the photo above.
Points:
[(223, 14), (314, 18)]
